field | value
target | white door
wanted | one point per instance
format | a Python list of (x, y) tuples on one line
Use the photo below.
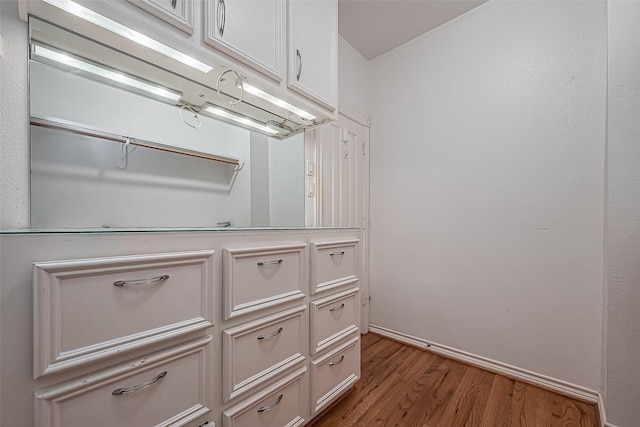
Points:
[(313, 50), (250, 31)]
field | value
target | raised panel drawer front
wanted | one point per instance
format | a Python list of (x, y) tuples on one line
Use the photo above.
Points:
[(278, 405), (91, 309), (333, 373), (333, 318), (178, 13), (333, 264), (256, 352), (169, 388), (258, 278)]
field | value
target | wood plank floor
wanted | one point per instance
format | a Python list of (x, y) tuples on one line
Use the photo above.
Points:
[(406, 386)]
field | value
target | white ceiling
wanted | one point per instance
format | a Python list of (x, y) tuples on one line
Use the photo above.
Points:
[(374, 27)]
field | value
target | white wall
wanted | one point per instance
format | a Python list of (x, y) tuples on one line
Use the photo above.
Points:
[(286, 181), (487, 153), (353, 78), (623, 215), (14, 129)]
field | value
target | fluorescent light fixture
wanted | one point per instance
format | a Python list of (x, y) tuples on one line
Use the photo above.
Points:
[(126, 32), (240, 120), (106, 73), (277, 101)]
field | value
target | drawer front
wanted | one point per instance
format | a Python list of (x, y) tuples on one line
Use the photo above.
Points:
[(87, 310), (256, 352), (333, 318), (170, 388), (259, 278), (333, 373), (279, 405), (333, 264)]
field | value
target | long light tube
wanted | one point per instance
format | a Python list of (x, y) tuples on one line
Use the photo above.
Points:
[(240, 120), (277, 101), (105, 73), (124, 31)]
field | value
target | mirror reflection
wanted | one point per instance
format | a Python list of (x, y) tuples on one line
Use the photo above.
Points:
[(115, 151)]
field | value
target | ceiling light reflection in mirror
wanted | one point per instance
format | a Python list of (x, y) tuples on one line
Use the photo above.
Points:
[(101, 73)]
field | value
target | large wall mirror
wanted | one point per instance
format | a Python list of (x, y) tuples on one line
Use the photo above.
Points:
[(111, 148)]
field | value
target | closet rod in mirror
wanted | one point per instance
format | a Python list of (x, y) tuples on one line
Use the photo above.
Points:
[(68, 126)]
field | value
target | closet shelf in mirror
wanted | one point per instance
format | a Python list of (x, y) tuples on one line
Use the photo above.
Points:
[(80, 129)]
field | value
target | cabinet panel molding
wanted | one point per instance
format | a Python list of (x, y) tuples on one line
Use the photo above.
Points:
[(332, 319), (291, 412), (258, 278), (333, 264), (180, 17), (180, 394), (255, 353), (90, 309)]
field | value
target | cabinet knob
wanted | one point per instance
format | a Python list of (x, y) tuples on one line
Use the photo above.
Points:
[(221, 16), (270, 407), (299, 57), (271, 335), (127, 390), (121, 283)]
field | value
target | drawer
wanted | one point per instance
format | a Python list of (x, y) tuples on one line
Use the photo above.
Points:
[(279, 405), (256, 352), (170, 388), (333, 318), (88, 310), (333, 264), (333, 373), (259, 278)]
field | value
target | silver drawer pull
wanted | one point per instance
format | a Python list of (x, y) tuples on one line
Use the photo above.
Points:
[(271, 335), (340, 307), (277, 261), (127, 390), (270, 407), (141, 281), (338, 362), (336, 253)]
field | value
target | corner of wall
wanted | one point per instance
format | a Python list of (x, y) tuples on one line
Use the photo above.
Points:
[(14, 113)]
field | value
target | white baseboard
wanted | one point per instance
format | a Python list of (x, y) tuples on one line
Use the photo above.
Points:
[(603, 413), (543, 381)]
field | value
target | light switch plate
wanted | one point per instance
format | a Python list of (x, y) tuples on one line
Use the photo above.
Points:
[(311, 188), (310, 167)]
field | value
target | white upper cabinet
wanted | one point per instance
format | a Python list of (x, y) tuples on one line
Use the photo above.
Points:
[(250, 31), (178, 13), (313, 50)]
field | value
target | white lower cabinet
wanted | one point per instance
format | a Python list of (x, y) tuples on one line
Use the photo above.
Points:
[(258, 330), (169, 388), (256, 352), (334, 373), (281, 404)]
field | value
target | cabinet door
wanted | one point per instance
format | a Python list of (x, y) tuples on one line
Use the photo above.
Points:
[(250, 31), (178, 13), (313, 50)]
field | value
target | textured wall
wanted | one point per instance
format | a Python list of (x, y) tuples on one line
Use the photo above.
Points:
[(353, 78), (623, 215), (14, 131), (487, 172)]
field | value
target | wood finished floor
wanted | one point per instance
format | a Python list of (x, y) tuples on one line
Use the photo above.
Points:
[(406, 386)]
